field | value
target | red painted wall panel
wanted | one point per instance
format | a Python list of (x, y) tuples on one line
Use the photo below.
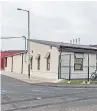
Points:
[(2, 63)]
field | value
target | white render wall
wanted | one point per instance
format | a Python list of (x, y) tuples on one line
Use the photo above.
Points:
[(37, 49), (9, 64), (43, 50), (17, 63), (78, 74), (25, 64)]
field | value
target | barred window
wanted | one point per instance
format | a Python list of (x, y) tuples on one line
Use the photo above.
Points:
[(78, 63)]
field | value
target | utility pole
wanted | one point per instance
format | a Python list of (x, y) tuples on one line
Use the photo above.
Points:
[(88, 69), (69, 67), (28, 44), (28, 41)]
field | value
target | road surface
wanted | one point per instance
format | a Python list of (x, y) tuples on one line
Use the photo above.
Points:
[(20, 96)]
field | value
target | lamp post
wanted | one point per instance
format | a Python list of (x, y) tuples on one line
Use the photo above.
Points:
[(18, 38), (28, 42)]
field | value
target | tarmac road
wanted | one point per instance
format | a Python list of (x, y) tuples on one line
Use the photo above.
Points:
[(20, 96)]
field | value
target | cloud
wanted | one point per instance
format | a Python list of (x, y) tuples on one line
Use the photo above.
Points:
[(57, 21)]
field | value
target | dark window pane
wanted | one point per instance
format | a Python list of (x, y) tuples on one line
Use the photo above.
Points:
[(5, 61), (78, 67), (31, 60), (38, 60), (78, 63)]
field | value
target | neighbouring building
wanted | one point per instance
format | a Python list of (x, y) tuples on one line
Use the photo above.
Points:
[(3, 59), (55, 60)]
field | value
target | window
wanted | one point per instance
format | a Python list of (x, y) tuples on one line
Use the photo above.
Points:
[(78, 63), (38, 62), (31, 61), (48, 62), (5, 61), (50, 47)]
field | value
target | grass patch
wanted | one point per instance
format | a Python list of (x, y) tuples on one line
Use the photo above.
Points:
[(78, 82), (94, 82)]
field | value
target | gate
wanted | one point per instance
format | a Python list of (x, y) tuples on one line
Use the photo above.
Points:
[(65, 66)]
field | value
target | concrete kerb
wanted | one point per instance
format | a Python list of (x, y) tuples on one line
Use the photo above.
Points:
[(70, 85), (49, 84), (24, 77)]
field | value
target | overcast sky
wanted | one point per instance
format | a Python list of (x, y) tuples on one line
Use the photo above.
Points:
[(55, 21)]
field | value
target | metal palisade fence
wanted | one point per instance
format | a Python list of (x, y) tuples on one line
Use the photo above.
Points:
[(73, 67)]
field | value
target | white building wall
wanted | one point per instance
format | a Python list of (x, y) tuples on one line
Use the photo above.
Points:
[(25, 64), (75, 73), (43, 50), (17, 63), (9, 64), (37, 49)]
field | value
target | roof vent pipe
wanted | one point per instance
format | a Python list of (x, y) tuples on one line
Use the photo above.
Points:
[(78, 40), (70, 41), (73, 41)]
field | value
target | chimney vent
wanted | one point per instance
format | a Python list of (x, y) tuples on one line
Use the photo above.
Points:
[(78, 40), (70, 41), (73, 41)]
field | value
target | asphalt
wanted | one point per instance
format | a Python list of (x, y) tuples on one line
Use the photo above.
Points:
[(62, 85), (20, 96)]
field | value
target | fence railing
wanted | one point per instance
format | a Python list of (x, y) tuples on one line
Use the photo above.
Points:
[(67, 68)]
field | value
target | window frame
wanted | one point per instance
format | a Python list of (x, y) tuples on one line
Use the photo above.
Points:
[(80, 64)]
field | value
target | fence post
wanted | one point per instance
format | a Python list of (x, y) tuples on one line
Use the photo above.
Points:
[(59, 67), (88, 68), (69, 67)]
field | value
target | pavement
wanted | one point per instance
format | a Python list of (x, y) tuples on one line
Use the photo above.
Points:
[(17, 95), (44, 81), (32, 79)]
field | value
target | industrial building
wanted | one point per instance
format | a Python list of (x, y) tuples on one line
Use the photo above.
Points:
[(55, 60)]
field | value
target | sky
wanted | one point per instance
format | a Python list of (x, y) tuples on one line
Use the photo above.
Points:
[(49, 20)]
